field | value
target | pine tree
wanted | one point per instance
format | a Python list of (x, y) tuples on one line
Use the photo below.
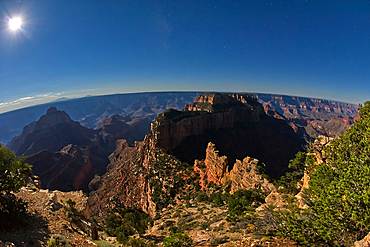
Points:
[(339, 192)]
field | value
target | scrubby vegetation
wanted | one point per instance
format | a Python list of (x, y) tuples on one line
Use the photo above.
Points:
[(178, 240), (12, 172), (59, 241), (301, 163), (123, 222), (177, 179), (339, 193)]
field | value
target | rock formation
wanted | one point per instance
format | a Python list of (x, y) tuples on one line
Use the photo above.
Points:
[(72, 168), (144, 174), (311, 117), (317, 150), (123, 127), (235, 123), (292, 107), (66, 155), (52, 132), (246, 174), (126, 180), (91, 111)]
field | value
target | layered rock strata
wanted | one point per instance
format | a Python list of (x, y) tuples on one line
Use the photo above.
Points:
[(236, 123), (245, 174), (66, 155)]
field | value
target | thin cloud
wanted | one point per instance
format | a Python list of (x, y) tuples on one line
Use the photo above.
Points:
[(41, 99), (31, 99)]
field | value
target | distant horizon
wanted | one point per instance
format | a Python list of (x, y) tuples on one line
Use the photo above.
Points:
[(54, 98)]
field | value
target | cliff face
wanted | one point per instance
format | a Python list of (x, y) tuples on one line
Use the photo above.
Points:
[(117, 127), (148, 177), (236, 123), (91, 111), (126, 179), (52, 132), (66, 155), (18, 140), (291, 107), (72, 168), (245, 174)]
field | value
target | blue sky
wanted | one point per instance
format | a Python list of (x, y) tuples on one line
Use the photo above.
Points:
[(70, 48)]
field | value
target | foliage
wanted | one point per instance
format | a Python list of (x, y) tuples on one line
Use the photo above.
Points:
[(202, 196), (102, 243), (71, 211), (12, 172), (174, 178), (290, 179), (59, 241), (122, 222), (177, 240), (339, 192), (138, 242), (241, 200)]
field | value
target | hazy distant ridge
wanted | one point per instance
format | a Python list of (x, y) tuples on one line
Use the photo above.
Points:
[(91, 111)]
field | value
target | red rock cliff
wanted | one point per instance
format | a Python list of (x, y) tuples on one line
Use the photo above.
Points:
[(216, 111)]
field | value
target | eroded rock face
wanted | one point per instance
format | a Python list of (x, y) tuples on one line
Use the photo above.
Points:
[(123, 127), (52, 132), (217, 167), (311, 117), (291, 107), (319, 158), (245, 174), (365, 242), (66, 155), (236, 123), (231, 120), (72, 168), (126, 180)]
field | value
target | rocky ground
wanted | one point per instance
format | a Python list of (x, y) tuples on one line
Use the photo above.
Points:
[(209, 226), (48, 218)]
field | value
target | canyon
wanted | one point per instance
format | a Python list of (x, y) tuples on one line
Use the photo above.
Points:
[(91, 111)]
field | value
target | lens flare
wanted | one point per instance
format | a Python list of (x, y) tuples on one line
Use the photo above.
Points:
[(15, 23)]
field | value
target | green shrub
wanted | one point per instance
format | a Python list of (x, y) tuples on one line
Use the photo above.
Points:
[(59, 241), (138, 242), (12, 171), (177, 240), (71, 211), (173, 229), (122, 222), (339, 192), (242, 200), (202, 196), (102, 243)]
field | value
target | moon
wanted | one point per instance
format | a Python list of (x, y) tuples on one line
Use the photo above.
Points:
[(15, 24)]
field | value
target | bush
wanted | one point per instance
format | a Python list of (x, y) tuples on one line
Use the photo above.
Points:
[(102, 243), (12, 172), (138, 242), (339, 192), (242, 200), (71, 211), (177, 240), (122, 222), (289, 180), (202, 196), (59, 241)]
